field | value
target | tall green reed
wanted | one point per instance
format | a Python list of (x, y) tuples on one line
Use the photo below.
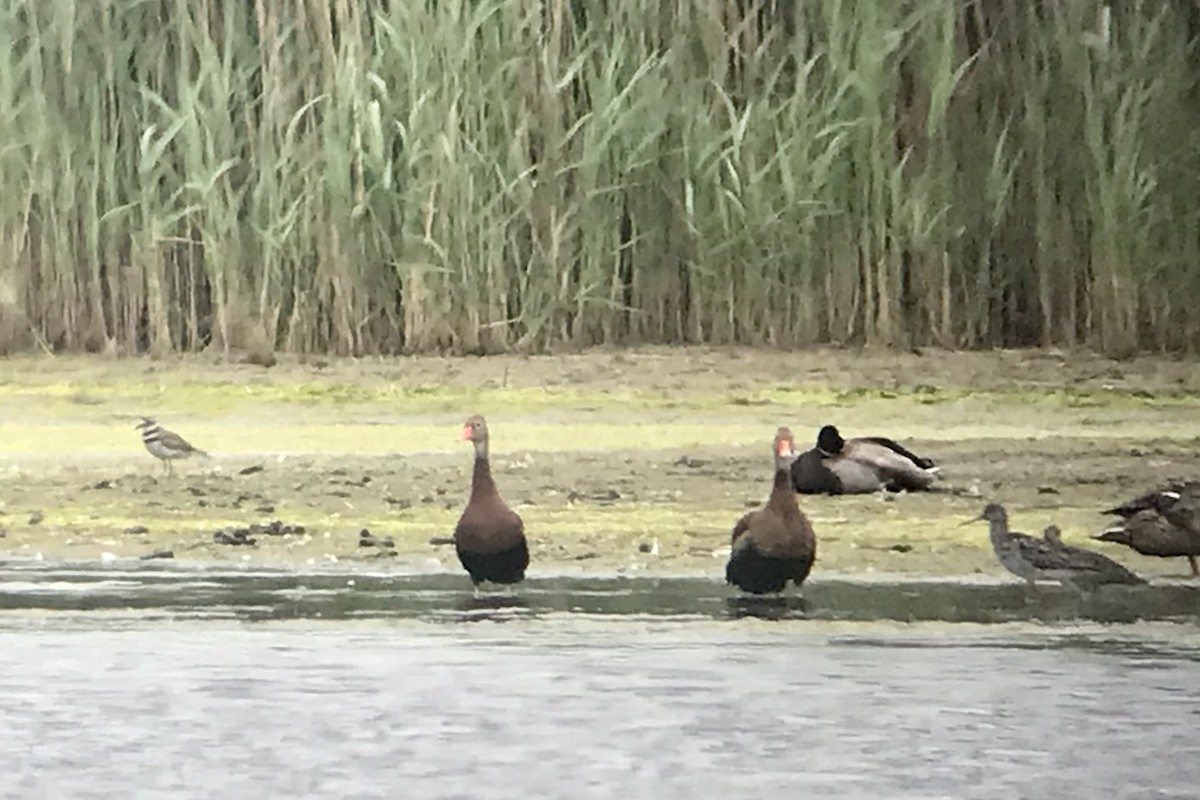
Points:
[(366, 176)]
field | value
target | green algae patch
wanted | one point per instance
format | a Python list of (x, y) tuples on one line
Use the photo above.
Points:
[(650, 379)]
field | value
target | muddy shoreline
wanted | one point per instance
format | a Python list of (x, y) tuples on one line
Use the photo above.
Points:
[(632, 463)]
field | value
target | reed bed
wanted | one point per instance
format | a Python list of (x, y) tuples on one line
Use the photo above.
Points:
[(380, 176)]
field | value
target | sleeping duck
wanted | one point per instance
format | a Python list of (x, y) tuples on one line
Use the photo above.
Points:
[(859, 466)]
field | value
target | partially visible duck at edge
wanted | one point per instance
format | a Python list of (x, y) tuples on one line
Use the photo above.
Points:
[(1164, 522), (489, 537), (1088, 565), (1034, 559), (1177, 501), (1150, 533), (774, 544), (859, 466)]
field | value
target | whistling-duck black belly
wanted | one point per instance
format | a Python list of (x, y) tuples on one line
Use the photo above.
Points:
[(501, 566), (751, 570)]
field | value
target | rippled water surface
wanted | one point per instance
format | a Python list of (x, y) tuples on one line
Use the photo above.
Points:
[(154, 683)]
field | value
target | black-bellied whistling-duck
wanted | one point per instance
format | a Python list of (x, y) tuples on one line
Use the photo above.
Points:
[(1152, 534), (1177, 501), (859, 466), (1164, 522), (774, 544), (489, 537), (1048, 558)]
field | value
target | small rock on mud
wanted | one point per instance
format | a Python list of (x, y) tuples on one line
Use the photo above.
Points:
[(363, 481), (234, 537), (157, 554), (245, 536), (250, 470), (602, 496), (274, 528), (688, 461), (383, 547), (367, 539), (36, 517), (441, 540), (133, 530)]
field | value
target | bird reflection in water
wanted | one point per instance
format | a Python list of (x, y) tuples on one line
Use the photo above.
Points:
[(772, 607), (492, 607)]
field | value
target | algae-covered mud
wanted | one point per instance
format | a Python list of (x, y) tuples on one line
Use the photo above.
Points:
[(634, 462)]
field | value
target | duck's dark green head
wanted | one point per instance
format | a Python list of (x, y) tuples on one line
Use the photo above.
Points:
[(829, 441)]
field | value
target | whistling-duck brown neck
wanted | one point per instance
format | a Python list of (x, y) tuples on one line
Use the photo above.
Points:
[(783, 495), (481, 476)]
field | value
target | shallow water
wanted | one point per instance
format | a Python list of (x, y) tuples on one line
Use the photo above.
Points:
[(182, 683), (251, 592)]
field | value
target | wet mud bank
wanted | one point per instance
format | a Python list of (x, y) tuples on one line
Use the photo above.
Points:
[(632, 464)]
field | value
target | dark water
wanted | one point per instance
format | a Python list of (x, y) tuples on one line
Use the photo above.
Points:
[(180, 683)]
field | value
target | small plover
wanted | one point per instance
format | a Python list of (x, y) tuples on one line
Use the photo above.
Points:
[(166, 445)]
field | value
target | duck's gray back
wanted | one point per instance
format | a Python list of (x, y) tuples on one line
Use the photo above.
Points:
[(857, 477)]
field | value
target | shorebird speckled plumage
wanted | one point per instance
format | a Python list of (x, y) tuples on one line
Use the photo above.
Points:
[(1088, 566), (1047, 559)]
